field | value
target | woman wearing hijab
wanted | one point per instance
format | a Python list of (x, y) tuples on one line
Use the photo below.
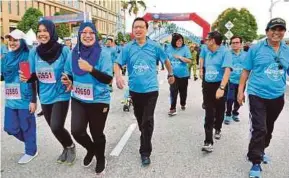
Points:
[(179, 55), (89, 72), (47, 65), (20, 98)]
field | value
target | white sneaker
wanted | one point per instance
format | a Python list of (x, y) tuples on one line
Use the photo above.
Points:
[(27, 158), (208, 147)]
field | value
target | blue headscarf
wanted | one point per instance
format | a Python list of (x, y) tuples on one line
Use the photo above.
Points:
[(12, 60), (50, 51), (89, 53)]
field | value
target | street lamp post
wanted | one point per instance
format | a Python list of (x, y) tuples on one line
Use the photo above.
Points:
[(273, 3)]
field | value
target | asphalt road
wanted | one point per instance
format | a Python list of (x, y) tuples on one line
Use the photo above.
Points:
[(177, 143)]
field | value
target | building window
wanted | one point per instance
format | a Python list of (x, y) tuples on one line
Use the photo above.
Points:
[(9, 6), (70, 3), (25, 5), (76, 4), (1, 8)]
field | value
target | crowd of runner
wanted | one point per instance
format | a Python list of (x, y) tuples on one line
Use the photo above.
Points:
[(81, 77)]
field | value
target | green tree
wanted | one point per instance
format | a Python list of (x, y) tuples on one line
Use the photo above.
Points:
[(119, 37), (30, 20), (127, 37), (245, 24), (135, 5), (62, 28), (261, 36), (171, 28)]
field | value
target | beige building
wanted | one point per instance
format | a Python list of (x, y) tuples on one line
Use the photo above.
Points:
[(104, 12)]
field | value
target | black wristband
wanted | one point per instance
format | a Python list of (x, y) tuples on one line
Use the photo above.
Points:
[(169, 76)]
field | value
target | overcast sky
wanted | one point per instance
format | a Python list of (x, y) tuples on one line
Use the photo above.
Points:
[(210, 9)]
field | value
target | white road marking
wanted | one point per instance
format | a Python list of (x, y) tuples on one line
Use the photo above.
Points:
[(120, 145)]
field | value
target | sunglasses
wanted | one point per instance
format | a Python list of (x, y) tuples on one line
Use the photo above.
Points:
[(277, 60)]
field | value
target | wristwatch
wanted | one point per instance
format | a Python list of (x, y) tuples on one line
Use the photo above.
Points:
[(170, 75), (222, 87)]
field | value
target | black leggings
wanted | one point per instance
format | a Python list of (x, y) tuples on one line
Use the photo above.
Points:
[(94, 114), (55, 115), (179, 86)]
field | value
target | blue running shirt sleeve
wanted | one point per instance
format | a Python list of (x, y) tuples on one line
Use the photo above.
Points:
[(122, 57), (67, 66), (32, 59), (248, 62), (188, 53), (105, 63), (203, 52), (227, 61), (161, 54)]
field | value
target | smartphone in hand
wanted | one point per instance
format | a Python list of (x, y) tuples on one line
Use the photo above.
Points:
[(25, 68)]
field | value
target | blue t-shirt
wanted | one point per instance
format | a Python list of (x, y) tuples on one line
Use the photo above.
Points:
[(141, 65), (4, 50), (266, 80), (203, 52), (87, 88), (237, 60), (18, 94), (113, 53), (180, 68), (51, 89), (216, 62)]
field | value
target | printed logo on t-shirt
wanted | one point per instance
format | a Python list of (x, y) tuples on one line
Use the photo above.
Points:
[(211, 73), (273, 72), (237, 69), (175, 62), (141, 67)]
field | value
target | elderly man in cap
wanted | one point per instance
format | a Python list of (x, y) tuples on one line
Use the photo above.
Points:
[(265, 68)]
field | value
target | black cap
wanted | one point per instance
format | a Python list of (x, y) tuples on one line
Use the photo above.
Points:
[(275, 23)]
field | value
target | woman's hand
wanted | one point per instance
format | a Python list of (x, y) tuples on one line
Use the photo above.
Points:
[(84, 65)]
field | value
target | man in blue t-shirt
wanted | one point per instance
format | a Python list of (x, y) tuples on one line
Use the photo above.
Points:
[(112, 50), (265, 69), (202, 70), (218, 62), (238, 57), (140, 56)]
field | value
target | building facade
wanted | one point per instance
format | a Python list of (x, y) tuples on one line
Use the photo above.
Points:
[(105, 13)]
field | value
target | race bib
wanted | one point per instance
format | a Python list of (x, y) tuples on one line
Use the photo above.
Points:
[(12, 91), (46, 75), (83, 91)]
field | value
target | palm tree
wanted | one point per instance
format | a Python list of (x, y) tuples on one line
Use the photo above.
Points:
[(124, 7), (135, 5)]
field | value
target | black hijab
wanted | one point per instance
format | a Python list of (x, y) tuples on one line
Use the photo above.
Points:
[(50, 51)]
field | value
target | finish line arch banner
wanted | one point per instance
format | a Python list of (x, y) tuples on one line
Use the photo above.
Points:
[(69, 18), (180, 17)]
